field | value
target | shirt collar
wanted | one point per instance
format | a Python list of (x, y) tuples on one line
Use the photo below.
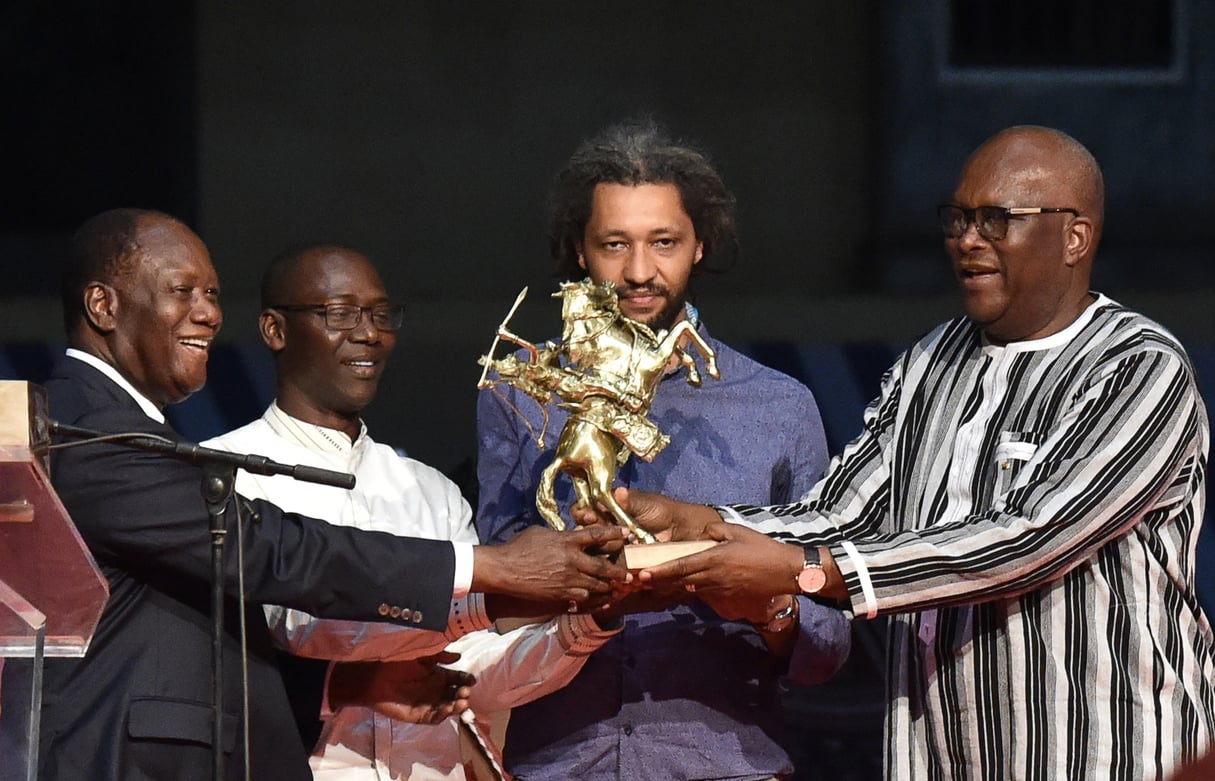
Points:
[(312, 436), (149, 409), (692, 313), (1056, 339), (693, 316)]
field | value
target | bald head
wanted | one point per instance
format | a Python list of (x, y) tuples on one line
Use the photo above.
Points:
[(1044, 162), (1027, 275), (288, 267), (327, 372)]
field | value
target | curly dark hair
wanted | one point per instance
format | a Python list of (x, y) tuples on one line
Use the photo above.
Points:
[(633, 153)]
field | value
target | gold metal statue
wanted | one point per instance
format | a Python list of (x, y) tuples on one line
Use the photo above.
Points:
[(605, 372)]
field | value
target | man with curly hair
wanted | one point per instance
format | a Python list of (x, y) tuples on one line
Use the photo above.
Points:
[(680, 692)]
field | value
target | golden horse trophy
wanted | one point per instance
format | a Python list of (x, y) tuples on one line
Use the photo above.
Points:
[(605, 372)]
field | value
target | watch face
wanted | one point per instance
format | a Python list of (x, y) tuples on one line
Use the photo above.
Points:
[(811, 580)]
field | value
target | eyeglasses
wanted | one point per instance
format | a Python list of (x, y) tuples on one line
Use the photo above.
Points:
[(990, 221), (344, 317)]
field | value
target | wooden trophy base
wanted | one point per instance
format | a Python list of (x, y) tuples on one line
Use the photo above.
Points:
[(641, 556)]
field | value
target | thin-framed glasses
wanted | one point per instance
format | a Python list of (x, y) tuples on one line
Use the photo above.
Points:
[(344, 317), (990, 221)]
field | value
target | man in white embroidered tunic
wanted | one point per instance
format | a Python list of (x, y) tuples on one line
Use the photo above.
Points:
[(327, 319), (1024, 501)]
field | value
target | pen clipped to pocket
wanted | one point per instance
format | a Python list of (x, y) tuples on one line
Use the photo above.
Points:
[(1014, 449)]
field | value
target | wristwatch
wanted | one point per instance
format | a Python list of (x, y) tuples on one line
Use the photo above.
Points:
[(783, 618), (812, 578)]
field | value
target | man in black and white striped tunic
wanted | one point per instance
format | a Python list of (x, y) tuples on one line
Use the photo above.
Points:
[(1024, 502)]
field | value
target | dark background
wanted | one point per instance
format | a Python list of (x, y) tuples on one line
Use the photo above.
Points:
[(426, 134)]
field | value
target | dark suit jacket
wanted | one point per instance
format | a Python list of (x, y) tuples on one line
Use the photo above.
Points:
[(137, 706)]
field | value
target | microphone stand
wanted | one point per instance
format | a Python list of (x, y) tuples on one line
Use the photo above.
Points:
[(219, 478)]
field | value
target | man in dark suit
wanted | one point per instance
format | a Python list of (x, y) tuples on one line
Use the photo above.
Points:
[(141, 310)]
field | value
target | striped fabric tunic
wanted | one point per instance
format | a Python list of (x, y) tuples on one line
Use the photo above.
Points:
[(1028, 514)]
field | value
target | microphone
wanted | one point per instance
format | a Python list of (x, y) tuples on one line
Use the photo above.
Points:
[(195, 453)]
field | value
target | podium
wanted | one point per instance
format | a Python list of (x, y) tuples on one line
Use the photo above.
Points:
[(51, 592)]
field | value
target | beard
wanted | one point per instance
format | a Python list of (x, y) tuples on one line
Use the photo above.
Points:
[(667, 314)]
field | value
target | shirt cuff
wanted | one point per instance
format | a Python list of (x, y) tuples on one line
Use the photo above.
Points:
[(467, 615), (462, 580), (823, 641), (853, 560), (580, 634)]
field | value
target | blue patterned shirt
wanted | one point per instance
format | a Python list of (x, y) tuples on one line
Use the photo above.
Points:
[(679, 693)]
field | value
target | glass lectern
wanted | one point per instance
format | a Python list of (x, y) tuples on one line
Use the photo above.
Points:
[(51, 592)]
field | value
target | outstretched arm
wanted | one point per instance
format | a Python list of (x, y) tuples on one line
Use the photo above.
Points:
[(542, 565), (420, 691), (520, 665), (1126, 451)]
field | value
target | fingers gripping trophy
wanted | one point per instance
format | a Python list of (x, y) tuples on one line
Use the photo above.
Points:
[(604, 372)]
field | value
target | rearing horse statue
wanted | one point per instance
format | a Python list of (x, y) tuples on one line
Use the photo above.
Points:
[(605, 372)]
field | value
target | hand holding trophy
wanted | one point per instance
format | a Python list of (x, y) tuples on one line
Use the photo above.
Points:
[(605, 372)]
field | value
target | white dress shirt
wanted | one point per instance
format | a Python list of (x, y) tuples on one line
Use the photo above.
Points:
[(406, 497)]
